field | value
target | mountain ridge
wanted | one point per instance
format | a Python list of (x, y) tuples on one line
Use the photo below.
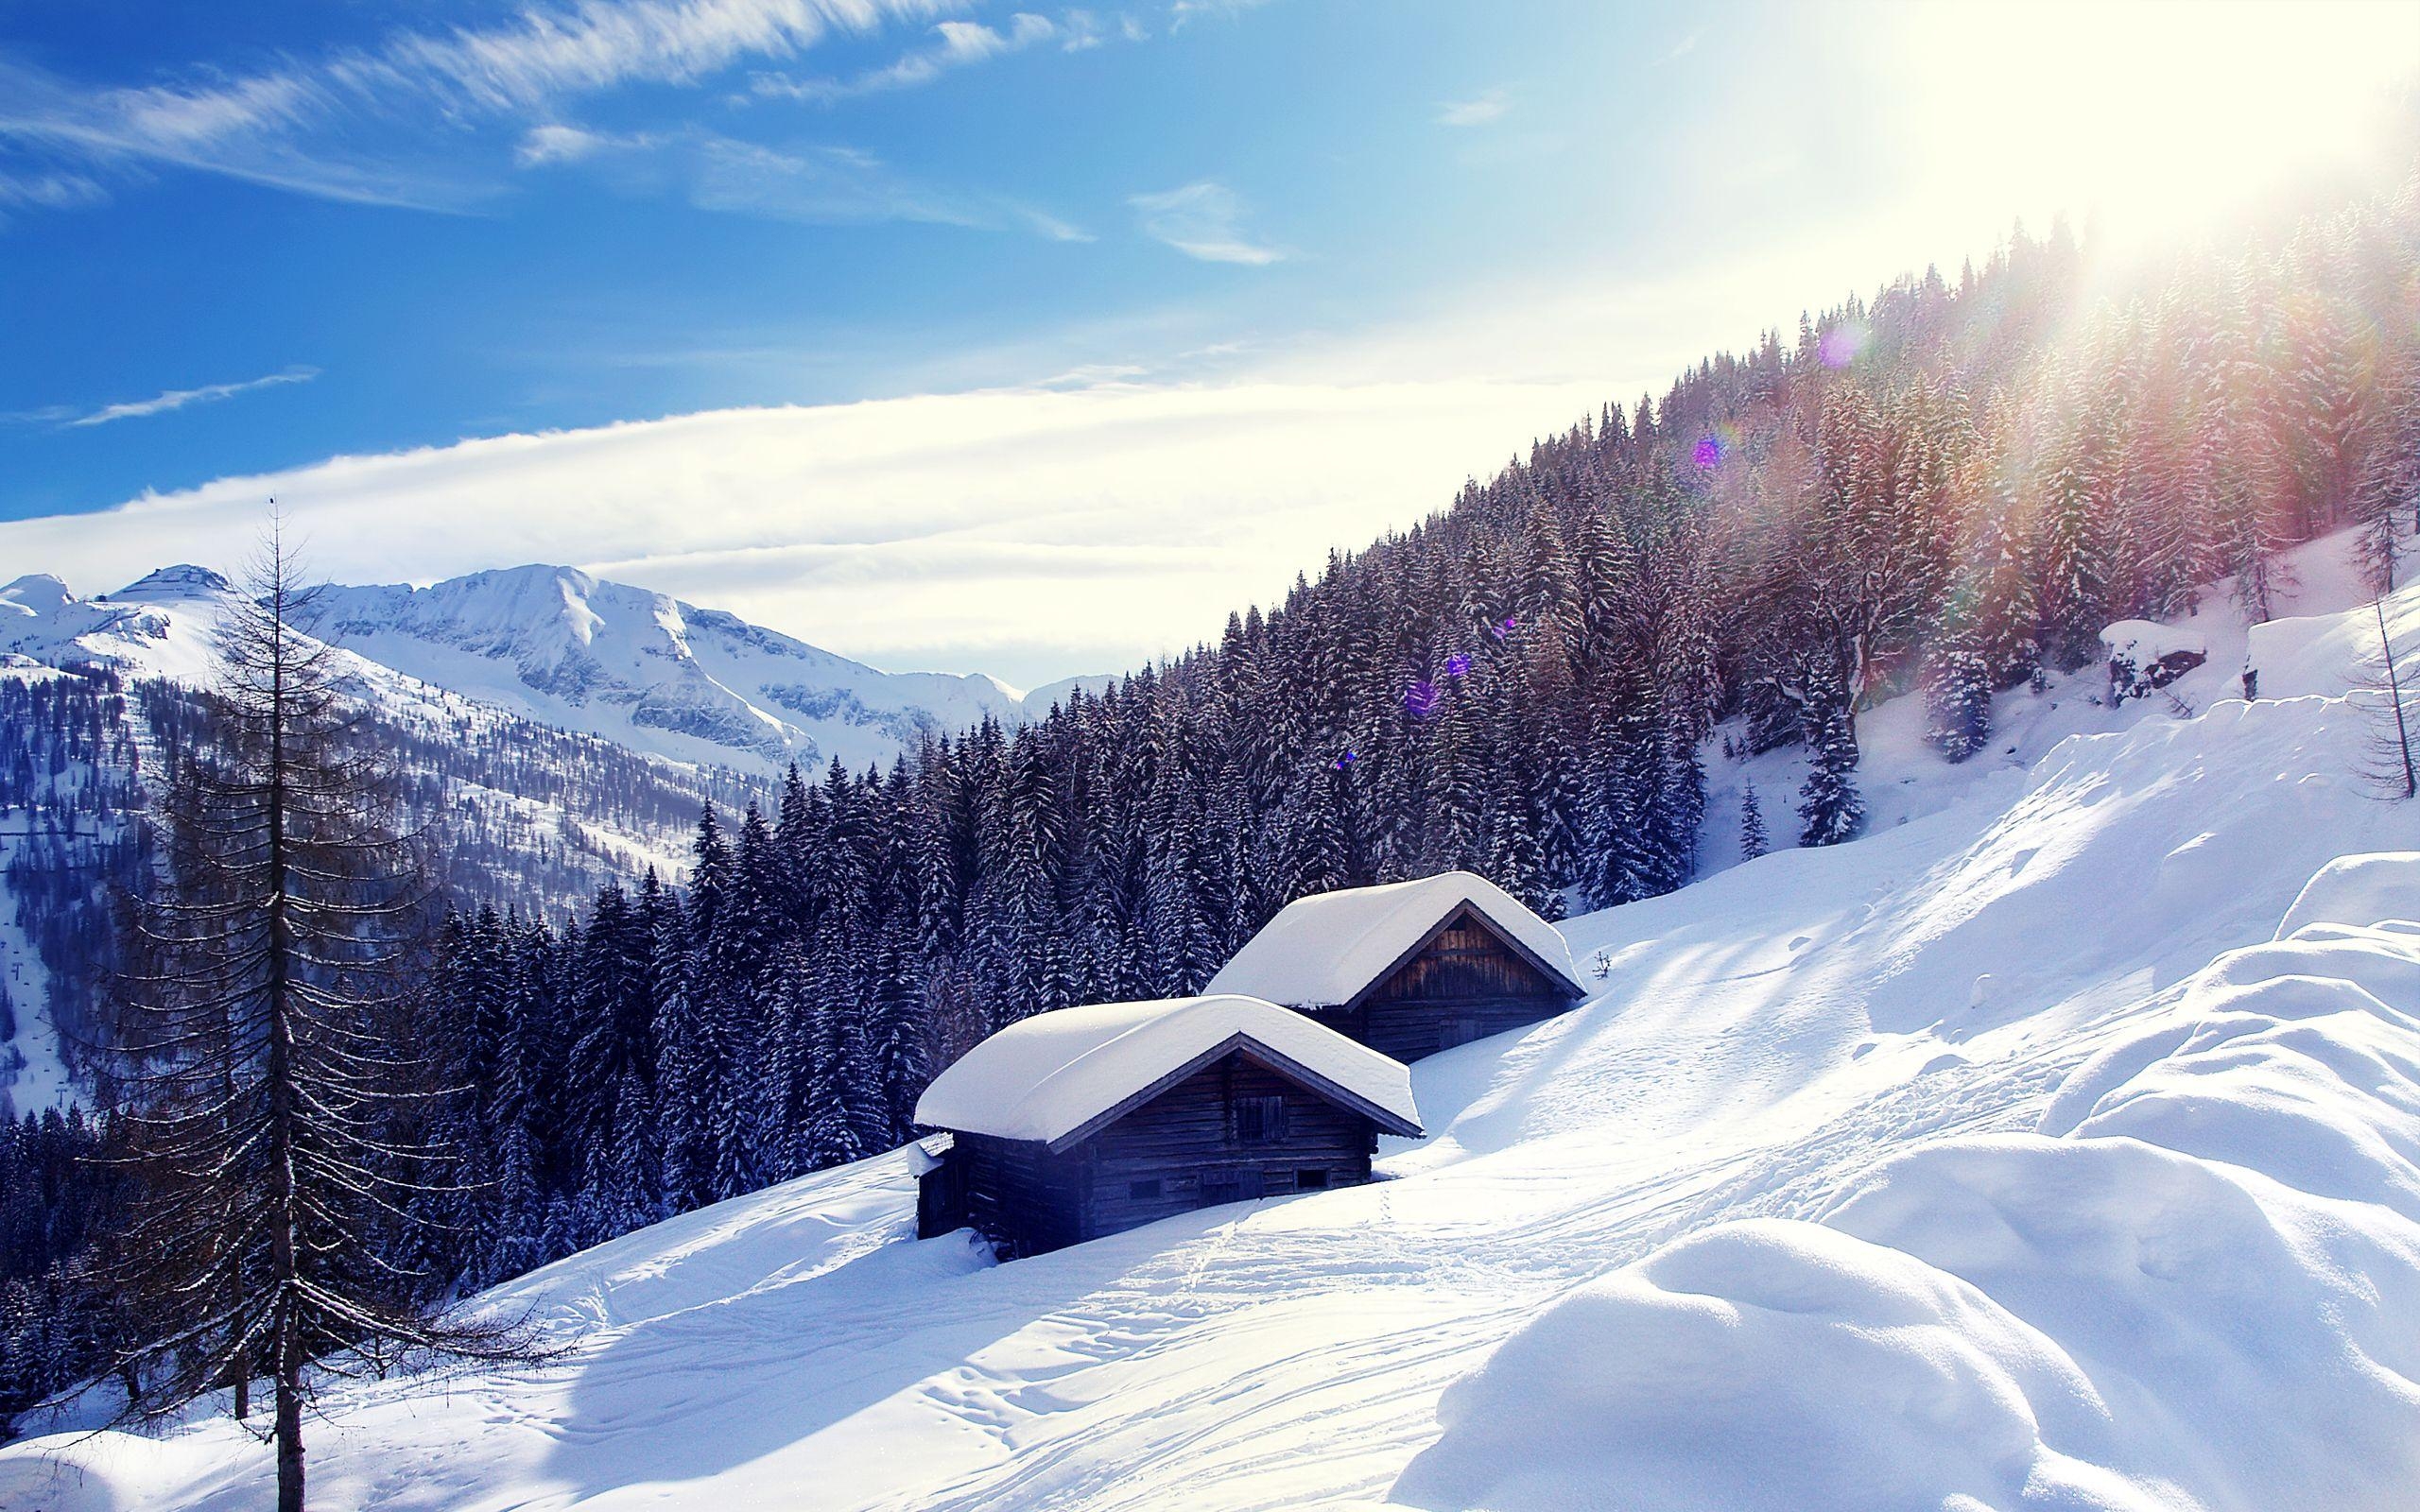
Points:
[(659, 675)]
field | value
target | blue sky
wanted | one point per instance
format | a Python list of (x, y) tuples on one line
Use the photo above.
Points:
[(572, 253), (240, 240)]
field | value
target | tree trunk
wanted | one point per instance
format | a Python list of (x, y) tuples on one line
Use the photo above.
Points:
[(285, 1263), (289, 1425), (2395, 696)]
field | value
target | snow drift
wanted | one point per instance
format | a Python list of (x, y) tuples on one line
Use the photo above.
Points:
[(2212, 1244)]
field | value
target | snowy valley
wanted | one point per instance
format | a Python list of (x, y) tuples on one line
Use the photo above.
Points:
[(2057, 1145)]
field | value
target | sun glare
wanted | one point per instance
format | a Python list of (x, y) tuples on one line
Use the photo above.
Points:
[(2154, 119)]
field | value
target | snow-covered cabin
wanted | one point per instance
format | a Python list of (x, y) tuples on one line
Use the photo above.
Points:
[(1090, 1121), (1410, 967)]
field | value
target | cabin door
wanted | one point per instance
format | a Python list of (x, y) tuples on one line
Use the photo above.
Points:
[(1457, 1031), (1228, 1184)]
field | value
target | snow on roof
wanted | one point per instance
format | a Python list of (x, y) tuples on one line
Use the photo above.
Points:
[(1047, 1076), (2148, 641), (1326, 948)]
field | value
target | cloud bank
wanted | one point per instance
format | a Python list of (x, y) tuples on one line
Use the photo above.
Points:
[(1029, 533)]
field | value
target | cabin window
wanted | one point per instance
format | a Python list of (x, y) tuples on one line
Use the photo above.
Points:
[(1141, 1189), (1260, 1119), (1310, 1180)]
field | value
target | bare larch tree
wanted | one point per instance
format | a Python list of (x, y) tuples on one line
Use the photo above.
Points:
[(2379, 692), (269, 1066)]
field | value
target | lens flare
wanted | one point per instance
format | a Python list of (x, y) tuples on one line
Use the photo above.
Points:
[(1840, 345)]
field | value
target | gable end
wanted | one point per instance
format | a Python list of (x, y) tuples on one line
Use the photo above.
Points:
[(1466, 909), (1285, 1066)]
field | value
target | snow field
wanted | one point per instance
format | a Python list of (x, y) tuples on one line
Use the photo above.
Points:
[(2007, 1158)]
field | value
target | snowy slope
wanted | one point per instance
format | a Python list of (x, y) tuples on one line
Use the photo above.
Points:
[(557, 647), (2002, 1158), (33, 1062), (1903, 779)]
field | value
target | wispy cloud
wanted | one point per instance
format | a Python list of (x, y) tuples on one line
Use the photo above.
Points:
[(50, 191), (1478, 111), (1183, 11), (554, 143), (262, 126), (1203, 220), (956, 45), (812, 184), (1680, 49), (67, 418), (816, 184)]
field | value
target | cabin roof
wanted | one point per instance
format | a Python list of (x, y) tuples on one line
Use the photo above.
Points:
[(1331, 947), (1058, 1076)]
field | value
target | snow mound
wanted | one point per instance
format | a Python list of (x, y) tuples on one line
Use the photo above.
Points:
[(1770, 1365), (2212, 1244), (1049, 1075), (1324, 948), (2148, 641), (2325, 655), (2145, 656), (2359, 889)]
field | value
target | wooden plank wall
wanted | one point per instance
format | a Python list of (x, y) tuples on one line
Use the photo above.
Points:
[(1188, 1132), (1020, 1193), (1465, 985), (1185, 1140)]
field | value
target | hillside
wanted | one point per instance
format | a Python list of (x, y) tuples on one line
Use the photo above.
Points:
[(2055, 1147)]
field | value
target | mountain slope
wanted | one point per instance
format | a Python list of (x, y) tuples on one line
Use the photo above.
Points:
[(557, 647), (1999, 1155), (655, 673)]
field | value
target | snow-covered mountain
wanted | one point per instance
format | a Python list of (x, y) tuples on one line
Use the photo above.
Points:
[(557, 647), (2057, 1147), (568, 729)]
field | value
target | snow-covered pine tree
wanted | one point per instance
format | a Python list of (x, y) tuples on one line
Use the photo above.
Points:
[(1753, 842), (1830, 806), (688, 1030), (1958, 696)]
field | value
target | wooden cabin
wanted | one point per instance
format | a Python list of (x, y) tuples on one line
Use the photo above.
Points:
[(1088, 1122), (1410, 967)]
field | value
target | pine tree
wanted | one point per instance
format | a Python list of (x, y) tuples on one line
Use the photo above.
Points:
[(1957, 696), (1752, 840), (1829, 805)]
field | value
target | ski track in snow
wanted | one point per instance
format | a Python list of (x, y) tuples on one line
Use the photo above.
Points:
[(1789, 1072)]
